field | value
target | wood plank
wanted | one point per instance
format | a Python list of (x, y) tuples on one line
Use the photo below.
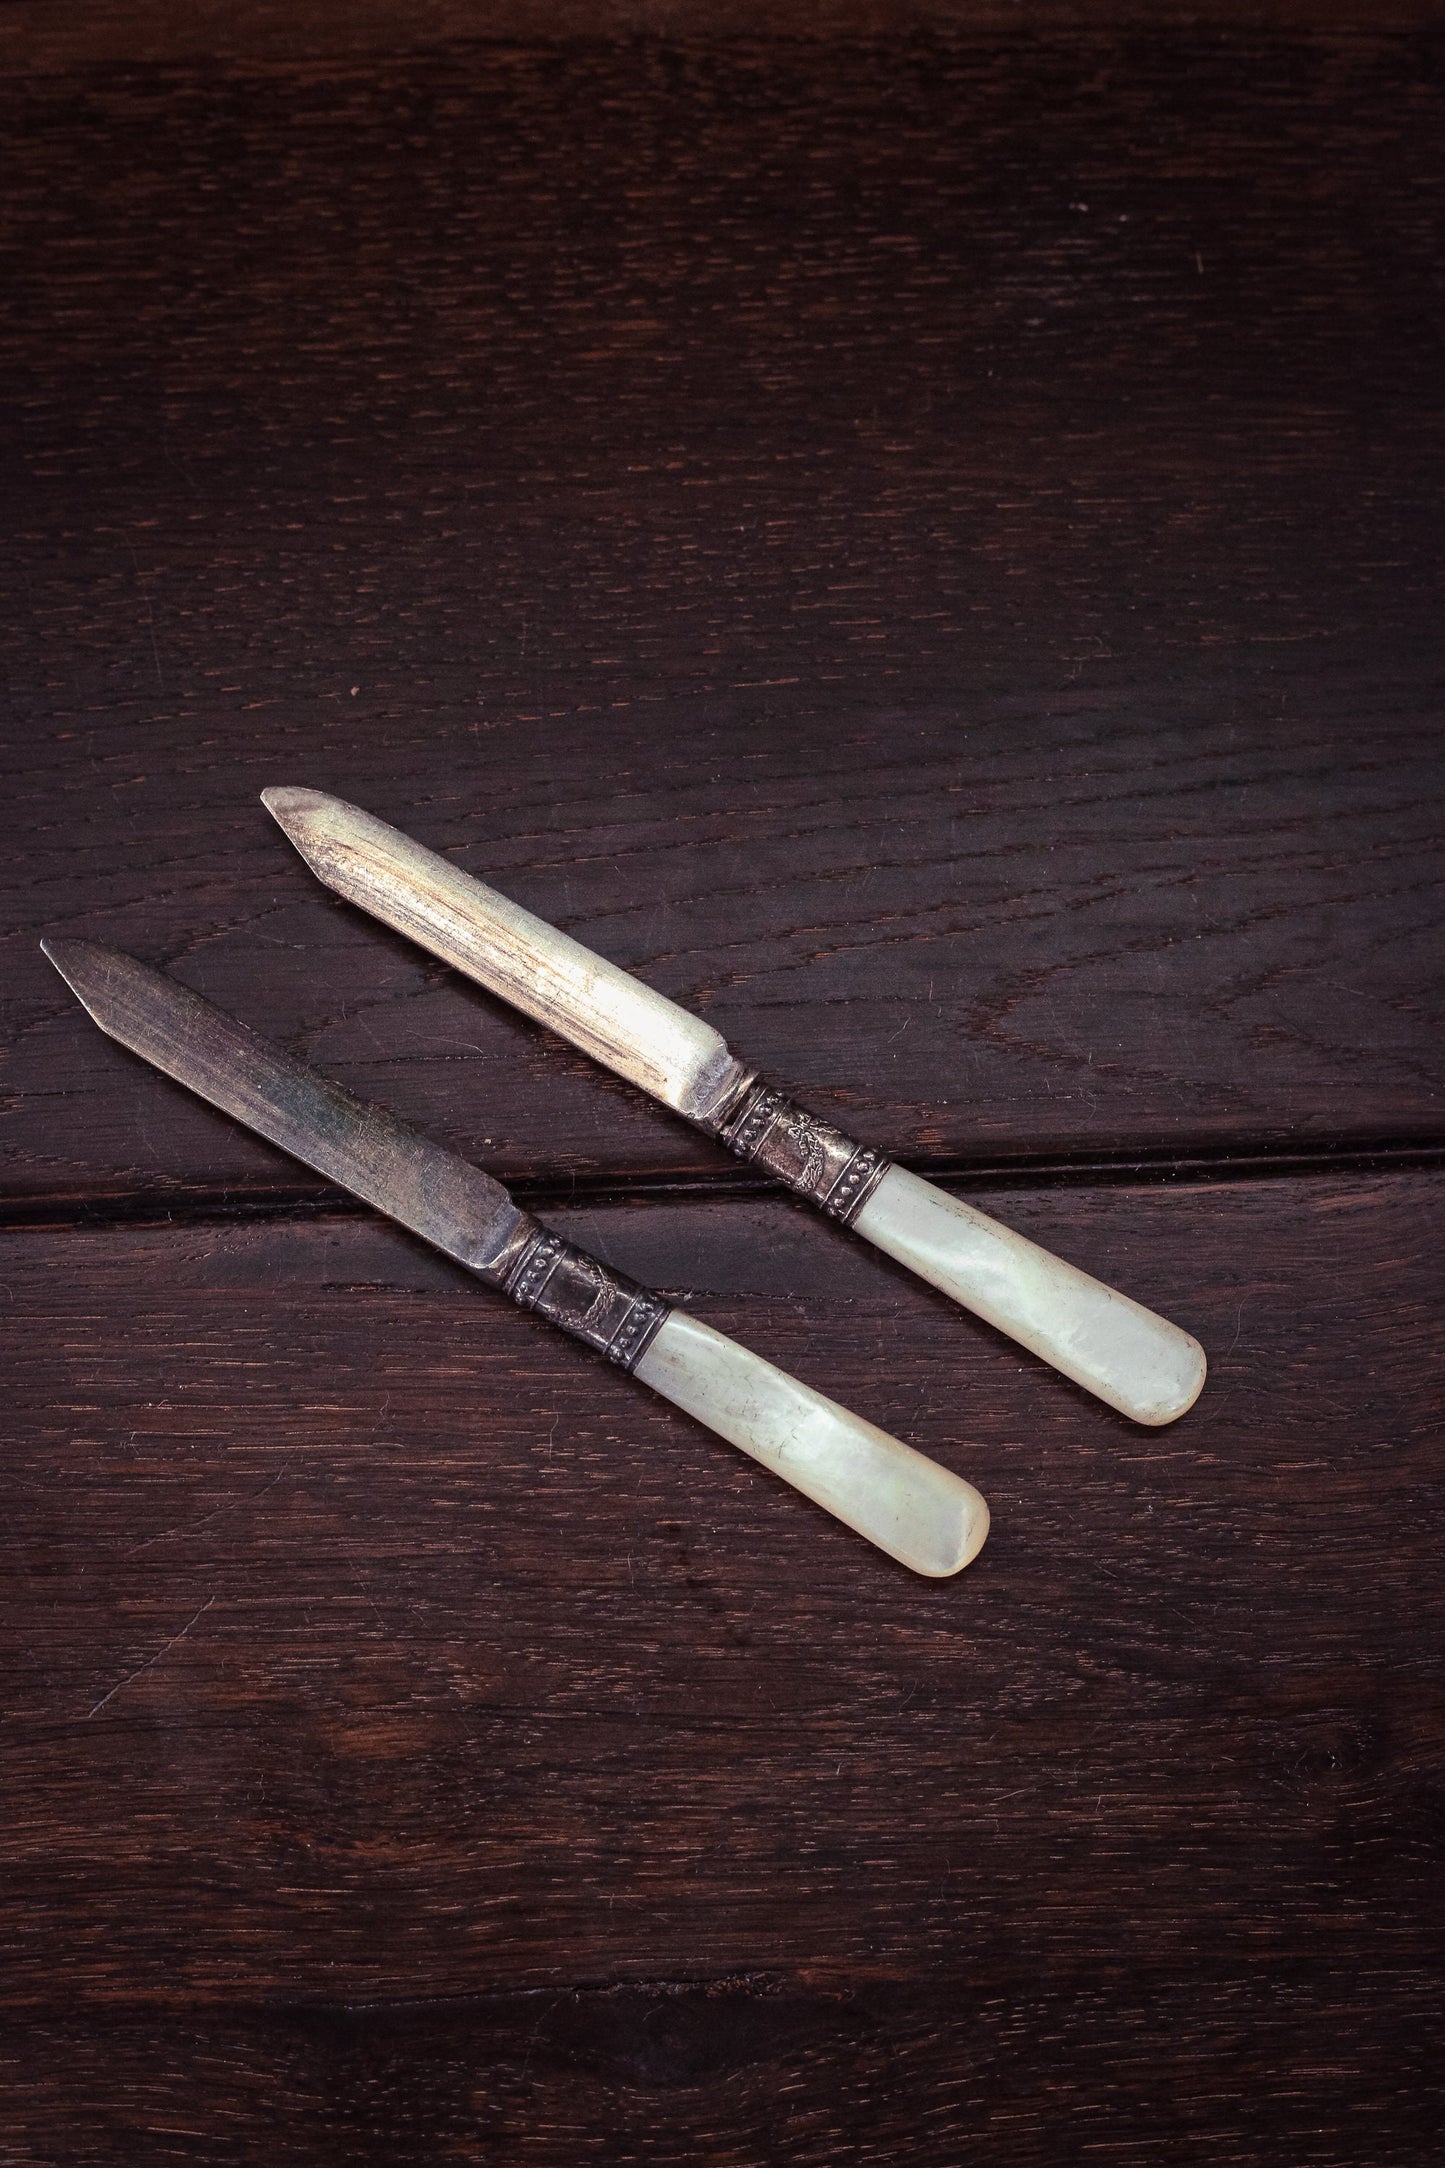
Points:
[(896, 549), (366, 1642), (1251, 2067), (250, 33)]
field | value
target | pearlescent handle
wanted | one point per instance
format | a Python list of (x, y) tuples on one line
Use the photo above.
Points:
[(921, 1514), (1139, 1363)]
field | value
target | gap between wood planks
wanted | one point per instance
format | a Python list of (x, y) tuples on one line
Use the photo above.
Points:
[(1240, 1162)]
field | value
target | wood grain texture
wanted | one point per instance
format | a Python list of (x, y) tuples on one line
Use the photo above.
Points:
[(365, 1645), (930, 558), (1315, 2067), (37, 39), (924, 545)]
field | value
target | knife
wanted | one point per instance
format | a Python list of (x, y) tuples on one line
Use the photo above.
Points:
[(1139, 1363), (921, 1514)]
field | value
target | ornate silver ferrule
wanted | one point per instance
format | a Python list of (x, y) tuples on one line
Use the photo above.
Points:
[(810, 1156), (544, 1272)]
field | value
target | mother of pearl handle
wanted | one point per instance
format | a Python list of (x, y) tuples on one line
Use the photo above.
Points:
[(917, 1512), (1141, 1364)]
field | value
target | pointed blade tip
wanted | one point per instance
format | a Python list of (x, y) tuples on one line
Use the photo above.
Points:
[(290, 803), (91, 971), (70, 955)]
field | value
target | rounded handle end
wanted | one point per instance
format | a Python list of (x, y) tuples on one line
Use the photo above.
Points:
[(925, 1516)]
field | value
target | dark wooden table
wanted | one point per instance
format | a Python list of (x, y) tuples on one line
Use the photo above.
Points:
[(917, 530)]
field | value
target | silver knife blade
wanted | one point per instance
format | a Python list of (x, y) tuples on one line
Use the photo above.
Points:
[(604, 1011), (438, 1195)]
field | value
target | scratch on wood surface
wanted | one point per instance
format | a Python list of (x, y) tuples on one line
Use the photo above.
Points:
[(191, 1528), (150, 1660)]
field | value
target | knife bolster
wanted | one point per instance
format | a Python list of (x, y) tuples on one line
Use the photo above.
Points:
[(811, 1156), (612, 1313)]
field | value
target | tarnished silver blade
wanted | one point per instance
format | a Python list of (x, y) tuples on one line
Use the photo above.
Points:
[(439, 1196), (609, 1014)]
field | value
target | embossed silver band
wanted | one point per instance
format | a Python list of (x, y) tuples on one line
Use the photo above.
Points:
[(544, 1272), (820, 1162)]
